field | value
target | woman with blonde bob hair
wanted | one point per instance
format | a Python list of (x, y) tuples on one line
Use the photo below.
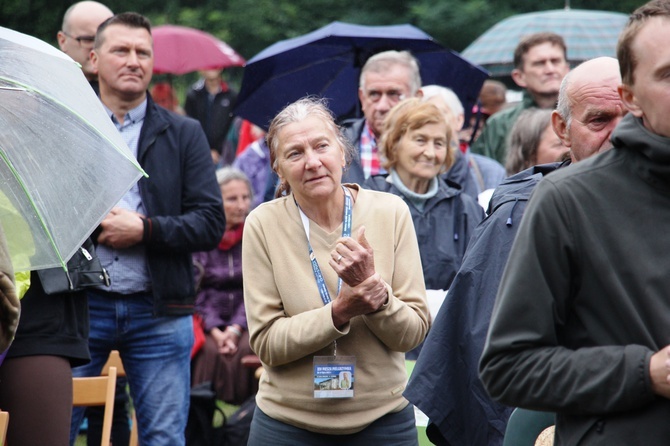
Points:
[(416, 147), (334, 296), (412, 114)]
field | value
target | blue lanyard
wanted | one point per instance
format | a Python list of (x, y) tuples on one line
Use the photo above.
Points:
[(346, 232)]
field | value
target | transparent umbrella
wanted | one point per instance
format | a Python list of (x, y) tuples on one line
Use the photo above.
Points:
[(63, 164), (587, 34)]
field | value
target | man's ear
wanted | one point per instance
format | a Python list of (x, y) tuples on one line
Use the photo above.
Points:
[(561, 128), (629, 100), (519, 77), (61, 39), (361, 95), (93, 55)]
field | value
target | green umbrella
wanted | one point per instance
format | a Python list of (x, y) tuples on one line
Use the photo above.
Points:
[(63, 164), (587, 34)]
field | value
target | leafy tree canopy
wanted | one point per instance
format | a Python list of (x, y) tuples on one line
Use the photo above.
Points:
[(251, 25)]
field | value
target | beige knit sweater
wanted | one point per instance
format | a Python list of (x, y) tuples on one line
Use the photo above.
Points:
[(289, 324)]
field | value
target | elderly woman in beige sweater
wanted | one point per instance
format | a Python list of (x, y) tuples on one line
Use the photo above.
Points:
[(334, 294)]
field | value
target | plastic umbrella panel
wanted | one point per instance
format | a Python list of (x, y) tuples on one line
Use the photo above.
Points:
[(180, 50), (328, 61), (587, 34), (63, 163)]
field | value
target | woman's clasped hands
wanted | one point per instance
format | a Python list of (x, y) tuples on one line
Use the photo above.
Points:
[(363, 291)]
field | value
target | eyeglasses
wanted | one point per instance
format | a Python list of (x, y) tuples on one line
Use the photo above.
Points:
[(84, 41)]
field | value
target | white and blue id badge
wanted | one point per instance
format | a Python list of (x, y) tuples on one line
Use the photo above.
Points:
[(334, 376)]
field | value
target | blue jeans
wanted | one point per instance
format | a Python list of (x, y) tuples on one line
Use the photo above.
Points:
[(156, 357), (393, 429)]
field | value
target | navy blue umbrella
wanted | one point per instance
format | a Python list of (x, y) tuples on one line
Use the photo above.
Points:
[(327, 63)]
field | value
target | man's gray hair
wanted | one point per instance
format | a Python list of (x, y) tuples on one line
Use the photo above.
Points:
[(381, 62), (563, 107), (447, 95)]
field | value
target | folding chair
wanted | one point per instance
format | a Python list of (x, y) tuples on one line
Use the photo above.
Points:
[(4, 422), (97, 391), (114, 360)]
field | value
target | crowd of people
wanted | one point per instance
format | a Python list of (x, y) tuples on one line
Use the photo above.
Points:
[(313, 247)]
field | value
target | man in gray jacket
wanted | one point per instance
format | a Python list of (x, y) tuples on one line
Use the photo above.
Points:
[(580, 324)]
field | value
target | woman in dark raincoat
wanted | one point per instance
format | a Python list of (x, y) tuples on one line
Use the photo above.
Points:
[(416, 147)]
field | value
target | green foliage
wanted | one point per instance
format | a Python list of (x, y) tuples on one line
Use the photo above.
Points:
[(251, 25), (453, 23)]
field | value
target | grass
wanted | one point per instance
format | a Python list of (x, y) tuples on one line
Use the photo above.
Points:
[(227, 409)]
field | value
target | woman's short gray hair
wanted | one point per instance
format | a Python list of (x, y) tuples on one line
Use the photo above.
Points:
[(524, 138), (447, 95), (307, 107), (227, 174)]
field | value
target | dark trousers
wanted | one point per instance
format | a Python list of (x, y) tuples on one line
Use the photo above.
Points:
[(394, 429)]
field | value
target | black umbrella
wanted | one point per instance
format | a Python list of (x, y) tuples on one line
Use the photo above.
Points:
[(327, 63)]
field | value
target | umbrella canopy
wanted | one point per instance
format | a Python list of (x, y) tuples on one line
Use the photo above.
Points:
[(327, 63), (587, 34), (63, 164), (180, 50)]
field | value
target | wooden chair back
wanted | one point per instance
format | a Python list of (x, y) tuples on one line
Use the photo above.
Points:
[(97, 391), (114, 360), (4, 422)]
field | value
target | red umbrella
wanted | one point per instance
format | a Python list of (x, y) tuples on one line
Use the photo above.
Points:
[(179, 50)]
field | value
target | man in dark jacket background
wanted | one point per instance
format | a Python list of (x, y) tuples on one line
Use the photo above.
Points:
[(211, 101), (580, 324), (145, 243), (459, 408)]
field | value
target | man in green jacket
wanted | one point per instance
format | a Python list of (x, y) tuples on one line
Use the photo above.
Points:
[(540, 66)]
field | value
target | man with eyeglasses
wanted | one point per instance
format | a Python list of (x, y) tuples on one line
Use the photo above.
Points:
[(80, 22), (76, 38), (386, 79)]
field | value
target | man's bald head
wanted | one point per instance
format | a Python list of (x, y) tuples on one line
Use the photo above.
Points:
[(80, 22), (589, 107)]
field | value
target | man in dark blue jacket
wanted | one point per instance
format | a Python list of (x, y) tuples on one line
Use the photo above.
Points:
[(145, 242)]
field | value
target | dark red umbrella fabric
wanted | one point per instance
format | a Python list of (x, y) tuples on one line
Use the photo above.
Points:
[(180, 50)]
